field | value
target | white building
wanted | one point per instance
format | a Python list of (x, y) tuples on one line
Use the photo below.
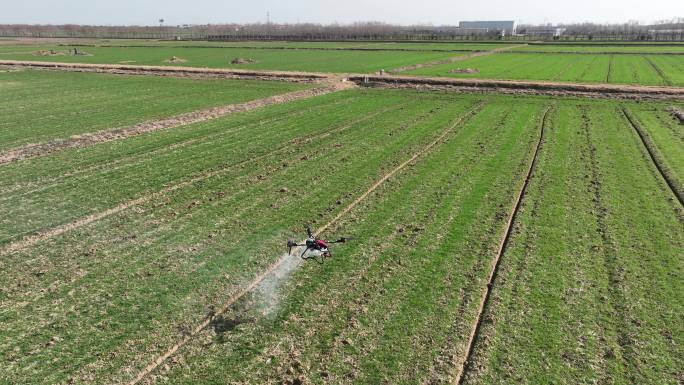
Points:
[(504, 27)]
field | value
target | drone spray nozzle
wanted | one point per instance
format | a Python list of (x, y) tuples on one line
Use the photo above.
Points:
[(290, 245)]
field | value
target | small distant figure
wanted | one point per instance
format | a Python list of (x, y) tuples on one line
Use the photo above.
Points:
[(382, 72)]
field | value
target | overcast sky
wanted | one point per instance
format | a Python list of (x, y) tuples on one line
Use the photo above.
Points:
[(436, 12)]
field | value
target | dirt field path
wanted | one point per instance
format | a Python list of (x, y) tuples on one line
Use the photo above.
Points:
[(82, 140), (128, 69), (462, 362), (454, 59), (614, 91), (257, 280)]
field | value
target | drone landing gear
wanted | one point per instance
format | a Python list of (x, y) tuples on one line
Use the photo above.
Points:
[(315, 255)]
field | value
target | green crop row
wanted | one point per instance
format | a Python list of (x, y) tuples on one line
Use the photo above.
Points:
[(603, 48), (394, 307), (82, 303), (589, 290), (61, 44), (37, 106), (618, 69), (264, 59)]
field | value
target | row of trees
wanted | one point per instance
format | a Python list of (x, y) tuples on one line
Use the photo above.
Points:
[(665, 30)]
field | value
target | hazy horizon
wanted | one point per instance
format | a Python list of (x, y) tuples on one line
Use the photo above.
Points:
[(430, 12)]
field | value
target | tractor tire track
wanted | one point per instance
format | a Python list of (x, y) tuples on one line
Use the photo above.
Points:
[(611, 263), (464, 362), (259, 278), (609, 74), (33, 239), (77, 141), (660, 72), (670, 179)]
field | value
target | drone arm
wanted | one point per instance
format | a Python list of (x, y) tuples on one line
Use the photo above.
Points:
[(341, 240)]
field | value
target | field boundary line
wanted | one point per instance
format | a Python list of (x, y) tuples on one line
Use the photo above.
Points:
[(586, 90), (274, 48), (132, 69), (259, 278), (32, 239), (462, 364), (454, 59), (188, 118), (652, 150)]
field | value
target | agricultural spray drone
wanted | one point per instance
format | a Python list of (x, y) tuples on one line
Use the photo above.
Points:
[(315, 247)]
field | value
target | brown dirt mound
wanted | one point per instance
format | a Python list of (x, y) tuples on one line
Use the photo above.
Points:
[(51, 52), (239, 60), (464, 71), (175, 59), (68, 52)]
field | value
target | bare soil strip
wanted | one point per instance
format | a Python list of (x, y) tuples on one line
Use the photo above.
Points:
[(128, 69), (670, 179), (463, 362), (453, 59), (617, 91), (257, 280), (33, 239), (89, 139), (677, 113)]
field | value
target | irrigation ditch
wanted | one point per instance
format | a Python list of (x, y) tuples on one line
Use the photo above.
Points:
[(464, 361)]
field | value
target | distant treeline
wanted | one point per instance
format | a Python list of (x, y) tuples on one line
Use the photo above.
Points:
[(670, 30)]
